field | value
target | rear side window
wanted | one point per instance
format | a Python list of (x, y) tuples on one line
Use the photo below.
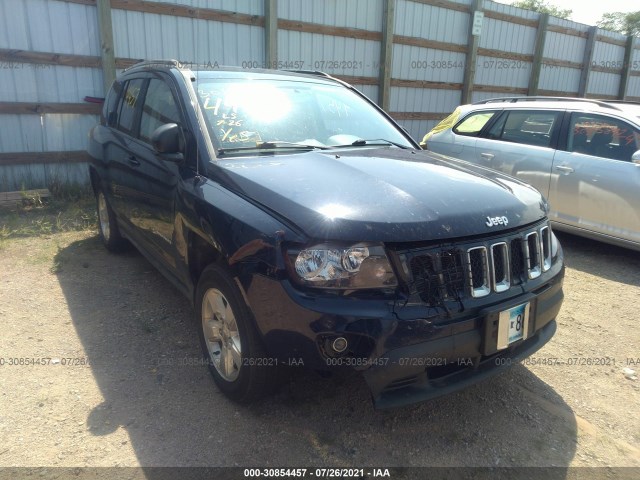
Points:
[(602, 136), (109, 110), (159, 108), (529, 128), (474, 123), (444, 124), (129, 106)]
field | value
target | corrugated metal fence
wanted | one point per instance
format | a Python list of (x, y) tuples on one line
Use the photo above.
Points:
[(418, 58)]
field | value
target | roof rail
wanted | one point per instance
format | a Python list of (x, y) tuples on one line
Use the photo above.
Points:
[(310, 72), (156, 63), (601, 103)]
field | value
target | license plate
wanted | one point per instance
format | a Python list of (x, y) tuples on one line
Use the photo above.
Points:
[(513, 325)]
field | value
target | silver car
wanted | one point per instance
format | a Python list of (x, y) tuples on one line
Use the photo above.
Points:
[(582, 155)]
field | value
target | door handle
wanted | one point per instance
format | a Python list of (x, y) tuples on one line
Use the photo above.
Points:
[(487, 156), (564, 168), (133, 160)]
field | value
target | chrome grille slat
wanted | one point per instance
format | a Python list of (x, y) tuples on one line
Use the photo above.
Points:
[(532, 255), (478, 271), (501, 274), (545, 247)]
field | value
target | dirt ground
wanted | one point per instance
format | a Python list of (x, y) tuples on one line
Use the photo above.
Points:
[(99, 367)]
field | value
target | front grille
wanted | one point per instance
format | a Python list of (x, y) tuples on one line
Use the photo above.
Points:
[(479, 269)]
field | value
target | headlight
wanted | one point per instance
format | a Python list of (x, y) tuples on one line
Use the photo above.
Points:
[(355, 267), (555, 246)]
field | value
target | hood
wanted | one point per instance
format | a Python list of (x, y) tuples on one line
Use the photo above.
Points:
[(382, 194)]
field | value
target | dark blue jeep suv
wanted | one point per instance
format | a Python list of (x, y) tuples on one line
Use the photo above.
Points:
[(308, 228)]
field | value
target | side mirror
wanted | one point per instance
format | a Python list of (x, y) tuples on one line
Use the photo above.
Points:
[(635, 158), (167, 140)]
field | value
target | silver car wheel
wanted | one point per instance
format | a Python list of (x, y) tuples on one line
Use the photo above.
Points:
[(103, 217), (221, 334)]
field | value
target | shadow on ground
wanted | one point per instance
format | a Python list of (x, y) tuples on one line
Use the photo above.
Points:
[(601, 259), (138, 333)]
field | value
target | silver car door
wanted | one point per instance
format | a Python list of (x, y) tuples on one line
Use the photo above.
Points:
[(520, 144), (594, 184)]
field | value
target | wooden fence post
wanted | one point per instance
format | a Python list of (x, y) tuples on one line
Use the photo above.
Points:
[(472, 55), (107, 54), (586, 62), (626, 68), (386, 54), (538, 54), (271, 33)]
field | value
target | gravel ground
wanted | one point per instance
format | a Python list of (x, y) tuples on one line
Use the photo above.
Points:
[(120, 383)]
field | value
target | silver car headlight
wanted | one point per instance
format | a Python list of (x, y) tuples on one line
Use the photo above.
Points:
[(555, 246), (356, 267)]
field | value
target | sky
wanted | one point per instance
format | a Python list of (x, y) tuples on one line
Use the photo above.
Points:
[(590, 11)]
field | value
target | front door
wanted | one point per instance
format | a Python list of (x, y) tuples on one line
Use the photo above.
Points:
[(594, 184)]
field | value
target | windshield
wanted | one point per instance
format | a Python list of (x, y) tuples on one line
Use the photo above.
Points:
[(249, 114)]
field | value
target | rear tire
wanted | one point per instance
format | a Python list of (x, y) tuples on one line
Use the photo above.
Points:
[(108, 226), (230, 342)]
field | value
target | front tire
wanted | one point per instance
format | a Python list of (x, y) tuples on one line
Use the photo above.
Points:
[(230, 342), (107, 225)]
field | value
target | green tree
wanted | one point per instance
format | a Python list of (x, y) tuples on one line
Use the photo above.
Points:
[(543, 7), (625, 23)]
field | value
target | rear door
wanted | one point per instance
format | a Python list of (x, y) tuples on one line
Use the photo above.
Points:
[(521, 143), (594, 184), (121, 159)]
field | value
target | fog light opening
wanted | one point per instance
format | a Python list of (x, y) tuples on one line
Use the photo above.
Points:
[(339, 345)]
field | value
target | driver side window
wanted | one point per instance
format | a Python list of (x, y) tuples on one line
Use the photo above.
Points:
[(159, 108)]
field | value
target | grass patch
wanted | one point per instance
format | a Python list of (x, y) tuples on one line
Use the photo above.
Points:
[(48, 216)]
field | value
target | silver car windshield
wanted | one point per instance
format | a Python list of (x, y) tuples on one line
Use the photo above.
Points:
[(245, 114)]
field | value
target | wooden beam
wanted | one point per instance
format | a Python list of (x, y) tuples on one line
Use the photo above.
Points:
[(557, 93), (399, 82), (444, 4), (521, 57), (418, 115), (626, 68), (601, 96), (500, 89), (472, 55), (81, 2), (30, 108), (17, 57), (424, 43), (271, 32), (598, 68), (541, 38), (612, 41), (386, 54), (552, 62), (175, 10), (586, 62), (29, 158), (568, 31), (355, 80), (297, 26), (505, 17), (107, 53), (10, 199)]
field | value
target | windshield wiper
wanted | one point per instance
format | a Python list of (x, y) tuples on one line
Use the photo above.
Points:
[(273, 146), (372, 142)]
